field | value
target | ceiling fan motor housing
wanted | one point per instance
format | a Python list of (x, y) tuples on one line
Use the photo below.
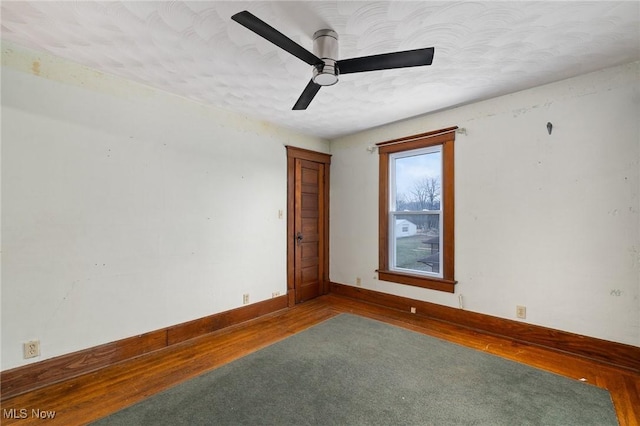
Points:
[(325, 47)]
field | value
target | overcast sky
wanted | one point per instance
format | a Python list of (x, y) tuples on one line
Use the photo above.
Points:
[(413, 169)]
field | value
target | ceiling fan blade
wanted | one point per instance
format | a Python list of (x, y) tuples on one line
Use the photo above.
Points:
[(307, 96), (276, 37), (387, 61)]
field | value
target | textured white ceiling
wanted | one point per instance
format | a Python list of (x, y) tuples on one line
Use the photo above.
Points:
[(482, 49)]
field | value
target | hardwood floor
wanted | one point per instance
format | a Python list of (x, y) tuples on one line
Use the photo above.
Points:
[(92, 396)]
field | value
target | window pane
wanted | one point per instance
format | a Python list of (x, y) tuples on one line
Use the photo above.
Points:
[(417, 180), (416, 243)]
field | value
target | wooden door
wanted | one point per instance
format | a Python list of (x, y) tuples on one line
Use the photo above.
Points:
[(308, 230), (308, 225)]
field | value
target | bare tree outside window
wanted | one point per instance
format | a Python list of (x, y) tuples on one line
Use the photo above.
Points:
[(401, 202), (424, 195)]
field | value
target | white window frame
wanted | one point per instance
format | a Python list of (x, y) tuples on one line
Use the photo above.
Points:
[(393, 213)]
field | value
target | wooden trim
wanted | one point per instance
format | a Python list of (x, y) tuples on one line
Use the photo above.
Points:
[(446, 138), (188, 330), (417, 143), (448, 201), (431, 283), (33, 376), (326, 287), (617, 354), (385, 146), (383, 213), (305, 154), (291, 226), (293, 154)]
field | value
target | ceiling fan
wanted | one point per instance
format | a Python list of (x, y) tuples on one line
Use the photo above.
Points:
[(326, 66)]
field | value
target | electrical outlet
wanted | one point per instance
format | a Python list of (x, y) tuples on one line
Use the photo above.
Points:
[(245, 298), (31, 349), (521, 312), (358, 281), (413, 310)]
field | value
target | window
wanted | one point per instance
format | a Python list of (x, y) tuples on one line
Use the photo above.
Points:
[(416, 242)]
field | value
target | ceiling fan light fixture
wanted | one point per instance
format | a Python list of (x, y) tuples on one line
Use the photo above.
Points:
[(326, 66), (325, 47), (326, 75)]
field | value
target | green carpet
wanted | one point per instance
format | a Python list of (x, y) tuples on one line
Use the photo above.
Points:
[(351, 370)]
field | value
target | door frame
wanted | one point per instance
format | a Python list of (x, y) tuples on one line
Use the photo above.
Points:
[(293, 154)]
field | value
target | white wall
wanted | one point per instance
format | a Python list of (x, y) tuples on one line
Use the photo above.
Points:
[(551, 222), (126, 209)]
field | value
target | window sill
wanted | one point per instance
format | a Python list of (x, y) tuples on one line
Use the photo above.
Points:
[(439, 284)]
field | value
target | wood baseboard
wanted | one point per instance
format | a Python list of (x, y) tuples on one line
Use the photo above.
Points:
[(32, 376), (616, 354)]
